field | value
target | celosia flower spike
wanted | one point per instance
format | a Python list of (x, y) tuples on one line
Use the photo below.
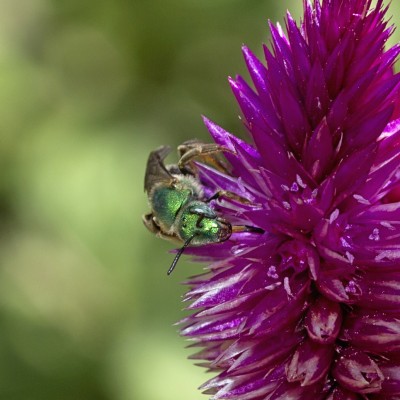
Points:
[(311, 308)]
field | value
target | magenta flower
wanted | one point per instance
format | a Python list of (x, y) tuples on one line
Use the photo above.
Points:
[(311, 308)]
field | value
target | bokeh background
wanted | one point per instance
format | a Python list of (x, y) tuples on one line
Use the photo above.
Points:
[(87, 89)]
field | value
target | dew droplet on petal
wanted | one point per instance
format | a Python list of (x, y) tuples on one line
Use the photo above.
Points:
[(351, 287), (273, 286), (374, 235), (350, 257), (344, 242), (333, 215), (388, 254), (388, 225), (286, 285), (272, 272), (361, 200), (300, 181)]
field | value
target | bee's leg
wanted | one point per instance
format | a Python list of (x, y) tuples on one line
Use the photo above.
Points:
[(195, 148), (204, 152), (239, 199), (247, 228), (152, 226), (229, 195)]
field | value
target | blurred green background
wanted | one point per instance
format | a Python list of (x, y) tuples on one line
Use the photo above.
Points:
[(87, 89)]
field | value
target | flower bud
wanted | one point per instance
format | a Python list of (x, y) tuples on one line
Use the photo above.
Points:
[(323, 320), (357, 372)]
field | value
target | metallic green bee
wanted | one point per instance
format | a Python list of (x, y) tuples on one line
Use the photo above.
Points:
[(179, 210)]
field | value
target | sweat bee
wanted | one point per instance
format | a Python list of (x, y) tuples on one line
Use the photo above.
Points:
[(179, 210)]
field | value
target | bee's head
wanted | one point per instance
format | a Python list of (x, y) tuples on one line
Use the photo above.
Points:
[(198, 224), (199, 221)]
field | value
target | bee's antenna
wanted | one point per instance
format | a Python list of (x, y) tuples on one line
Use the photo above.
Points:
[(178, 255)]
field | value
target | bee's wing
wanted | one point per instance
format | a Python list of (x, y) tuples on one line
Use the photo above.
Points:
[(155, 170)]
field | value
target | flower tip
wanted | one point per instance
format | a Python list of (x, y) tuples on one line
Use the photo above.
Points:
[(245, 50), (205, 120), (210, 125), (289, 17), (250, 58), (235, 85), (219, 134)]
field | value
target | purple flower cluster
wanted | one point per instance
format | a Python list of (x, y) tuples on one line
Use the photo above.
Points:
[(311, 308)]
